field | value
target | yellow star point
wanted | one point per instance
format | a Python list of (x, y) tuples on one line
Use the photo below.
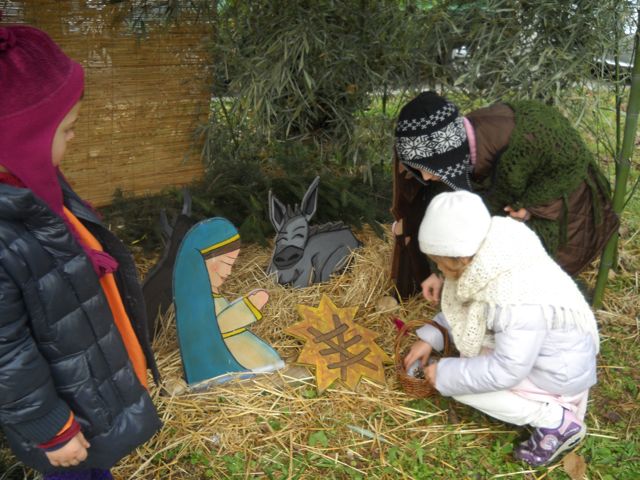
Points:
[(338, 347)]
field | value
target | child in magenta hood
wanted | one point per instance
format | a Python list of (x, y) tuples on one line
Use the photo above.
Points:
[(74, 352)]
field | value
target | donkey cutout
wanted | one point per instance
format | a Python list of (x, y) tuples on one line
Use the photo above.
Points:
[(307, 254)]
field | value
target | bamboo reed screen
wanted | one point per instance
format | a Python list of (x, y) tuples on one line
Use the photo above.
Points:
[(143, 97)]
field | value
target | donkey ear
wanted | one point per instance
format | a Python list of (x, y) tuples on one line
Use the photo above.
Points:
[(186, 202), (310, 200), (277, 212), (166, 229)]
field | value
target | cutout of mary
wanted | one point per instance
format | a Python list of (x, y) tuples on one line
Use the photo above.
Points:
[(215, 343)]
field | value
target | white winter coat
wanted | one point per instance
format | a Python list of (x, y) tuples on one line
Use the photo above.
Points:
[(514, 314)]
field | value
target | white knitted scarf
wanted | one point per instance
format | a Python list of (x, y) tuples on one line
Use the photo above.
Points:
[(511, 268)]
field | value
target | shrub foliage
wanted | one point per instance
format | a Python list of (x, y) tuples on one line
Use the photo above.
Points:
[(313, 86)]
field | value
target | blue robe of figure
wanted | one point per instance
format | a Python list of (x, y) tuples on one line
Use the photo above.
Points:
[(212, 334)]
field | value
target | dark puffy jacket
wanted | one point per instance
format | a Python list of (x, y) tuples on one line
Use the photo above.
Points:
[(59, 347)]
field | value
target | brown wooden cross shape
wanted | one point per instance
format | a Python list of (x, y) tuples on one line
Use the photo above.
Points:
[(346, 357)]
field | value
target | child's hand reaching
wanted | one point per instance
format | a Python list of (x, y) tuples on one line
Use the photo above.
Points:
[(419, 351), (74, 452), (431, 288), (522, 215)]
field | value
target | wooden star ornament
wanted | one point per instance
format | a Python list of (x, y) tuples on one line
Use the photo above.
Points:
[(338, 348)]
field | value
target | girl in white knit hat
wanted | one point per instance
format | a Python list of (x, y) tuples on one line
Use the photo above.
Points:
[(527, 338)]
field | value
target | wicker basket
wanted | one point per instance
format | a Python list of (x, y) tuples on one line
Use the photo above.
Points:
[(416, 387)]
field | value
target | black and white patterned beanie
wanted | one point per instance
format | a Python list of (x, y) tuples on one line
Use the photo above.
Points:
[(430, 136)]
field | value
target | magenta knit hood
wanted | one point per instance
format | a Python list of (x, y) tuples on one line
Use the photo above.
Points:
[(39, 84)]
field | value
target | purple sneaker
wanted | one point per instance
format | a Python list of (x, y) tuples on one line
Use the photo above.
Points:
[(546, 444)]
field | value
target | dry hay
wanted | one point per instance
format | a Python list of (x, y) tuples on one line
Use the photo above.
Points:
[(273, 416)]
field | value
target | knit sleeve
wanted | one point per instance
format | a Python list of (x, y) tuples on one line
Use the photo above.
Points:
[(546, 158), (29, 403), (514, 173), (548, 231), (68, 432)]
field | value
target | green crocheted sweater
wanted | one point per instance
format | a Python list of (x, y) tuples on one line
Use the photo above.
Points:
[(546, 159)]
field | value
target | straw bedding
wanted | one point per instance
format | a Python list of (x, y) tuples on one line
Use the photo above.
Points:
[(278, 423), (273, 421), (273, 416)]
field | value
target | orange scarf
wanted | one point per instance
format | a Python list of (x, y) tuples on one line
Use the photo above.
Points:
[(120, 316)]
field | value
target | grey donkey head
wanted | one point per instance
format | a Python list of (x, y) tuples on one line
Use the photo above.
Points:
[(292, 227)]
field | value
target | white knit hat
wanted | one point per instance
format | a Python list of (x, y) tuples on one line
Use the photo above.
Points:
[(454, 225)]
